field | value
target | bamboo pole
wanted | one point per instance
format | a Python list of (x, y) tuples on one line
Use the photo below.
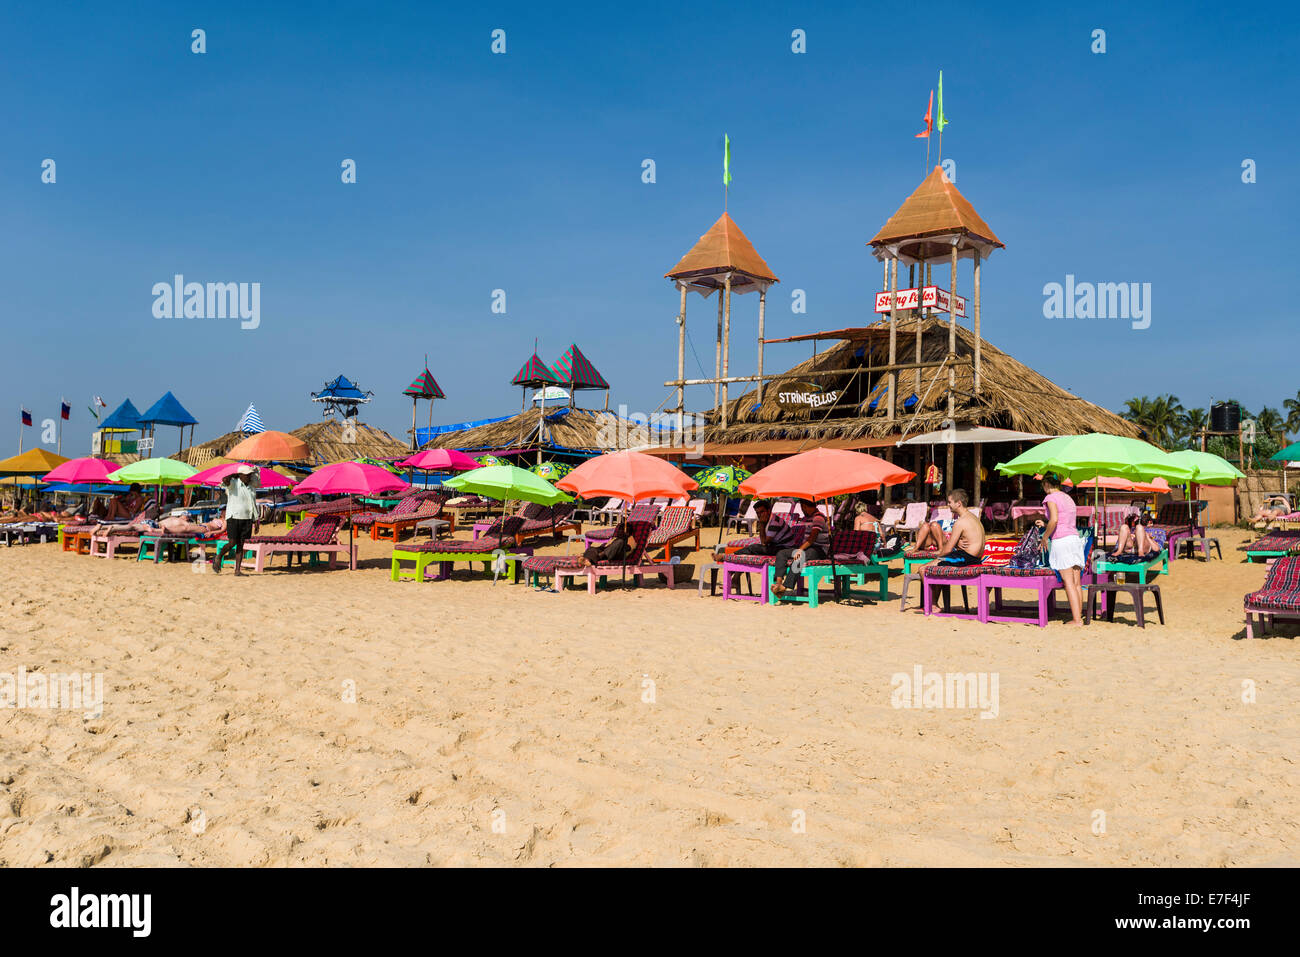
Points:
[(726, 348), (414, 402), (916, 384), (893, 334), (977, 322), (681, 358), (717, 359), (821, 373), (762, 305), (979, 463), (952, 372)]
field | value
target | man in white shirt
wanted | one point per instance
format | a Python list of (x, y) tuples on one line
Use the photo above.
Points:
[(241, 515)]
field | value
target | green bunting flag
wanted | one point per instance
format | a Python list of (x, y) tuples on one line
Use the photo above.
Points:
[(726, 160)]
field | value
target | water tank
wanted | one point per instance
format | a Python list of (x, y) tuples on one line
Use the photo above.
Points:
[(1225, 417)]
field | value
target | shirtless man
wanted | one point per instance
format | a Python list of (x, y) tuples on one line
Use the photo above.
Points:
[(965, 544)]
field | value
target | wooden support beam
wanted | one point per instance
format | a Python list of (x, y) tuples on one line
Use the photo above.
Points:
[(762, 307), (681, 358), (893, 338), (717, 359), (977, 322), (952, 372), (726, 348), (822, 373)]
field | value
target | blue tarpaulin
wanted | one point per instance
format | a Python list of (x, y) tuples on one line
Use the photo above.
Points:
[(427, 434)]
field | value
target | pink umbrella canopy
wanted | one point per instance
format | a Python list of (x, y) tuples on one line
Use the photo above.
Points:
[(824, 473), (266, 478), (627, 475), (82, 471), (439, 460), (350, 478)]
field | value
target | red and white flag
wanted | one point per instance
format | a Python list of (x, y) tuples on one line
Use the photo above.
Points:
[(929, 119)]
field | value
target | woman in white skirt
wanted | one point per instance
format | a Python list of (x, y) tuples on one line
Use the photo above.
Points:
[(1065, 547)]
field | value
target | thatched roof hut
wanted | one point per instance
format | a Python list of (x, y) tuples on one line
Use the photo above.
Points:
[(1012, 395), (325, 439), (564, 428)]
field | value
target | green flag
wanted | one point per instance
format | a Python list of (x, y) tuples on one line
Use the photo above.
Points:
[(943, 120), (726, 160)]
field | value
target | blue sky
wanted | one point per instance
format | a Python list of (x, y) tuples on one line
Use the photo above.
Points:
[(522, 172)]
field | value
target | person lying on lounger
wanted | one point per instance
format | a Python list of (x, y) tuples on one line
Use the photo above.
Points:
[(180, 525), (1271, 511)]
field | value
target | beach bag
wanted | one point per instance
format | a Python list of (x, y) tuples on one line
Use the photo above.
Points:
[(1029, 553)]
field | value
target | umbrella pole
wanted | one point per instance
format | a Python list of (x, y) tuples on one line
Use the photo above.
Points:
[(722, 516)]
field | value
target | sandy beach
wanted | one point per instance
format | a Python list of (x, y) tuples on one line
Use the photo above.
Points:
[(500, 725)]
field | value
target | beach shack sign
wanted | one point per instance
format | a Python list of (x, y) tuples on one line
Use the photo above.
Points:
[(927, 297), (804, 397)]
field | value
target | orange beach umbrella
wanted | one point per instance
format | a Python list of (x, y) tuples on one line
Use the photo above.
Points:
[(824, 473), (628, 475), (270, 447)]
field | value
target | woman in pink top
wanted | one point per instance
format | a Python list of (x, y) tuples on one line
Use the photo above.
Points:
[(1065, 548)]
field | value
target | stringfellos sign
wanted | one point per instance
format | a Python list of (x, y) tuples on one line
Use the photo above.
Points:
[(804, 397)]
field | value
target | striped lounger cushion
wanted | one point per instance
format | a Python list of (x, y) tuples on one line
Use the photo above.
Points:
[(546, 564), (753, 561), (956, 571), (921, 553), (460, 546), (1272, 542), (1281, 589), (677, 520), (741, 542), (319, 531)]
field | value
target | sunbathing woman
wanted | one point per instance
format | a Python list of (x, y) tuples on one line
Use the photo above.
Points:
[(1133, 537), (180, 525), (127, 505), (1270, 511)]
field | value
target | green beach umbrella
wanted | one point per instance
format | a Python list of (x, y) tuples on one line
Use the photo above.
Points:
[(489, 460), (508, 482), (722, 480), (1209, 469), (551, 471), (1289, 454), (387, 466), (153, 472), (1082, 457)]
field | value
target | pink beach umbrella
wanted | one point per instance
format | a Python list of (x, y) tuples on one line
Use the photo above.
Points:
[(439, 460), (211, 478), (350, 478), (84, 471)]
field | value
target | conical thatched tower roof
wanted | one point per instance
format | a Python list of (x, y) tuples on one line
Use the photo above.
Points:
[(925, 226), (1012, 395), (723, 249)]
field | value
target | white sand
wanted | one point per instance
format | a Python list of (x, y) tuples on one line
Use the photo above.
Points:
[(478, 703)]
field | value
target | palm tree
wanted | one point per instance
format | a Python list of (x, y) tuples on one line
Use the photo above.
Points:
[(1193, 422), (1292, 407), (1165, 419), (1270, 422)]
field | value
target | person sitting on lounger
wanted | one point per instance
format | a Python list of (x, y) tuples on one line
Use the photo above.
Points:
[(932, 534), (125, 505), (1134, 538), (610, 551), (774, 534), (816, 544), (965, 542), (864, 521)]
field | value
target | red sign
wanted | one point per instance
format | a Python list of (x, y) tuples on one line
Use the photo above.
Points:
[(927, 297)]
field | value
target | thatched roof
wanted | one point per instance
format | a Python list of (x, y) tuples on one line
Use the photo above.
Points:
[(1012, 395), (935, 209), (568, 428), (723, 249), (325, 439)]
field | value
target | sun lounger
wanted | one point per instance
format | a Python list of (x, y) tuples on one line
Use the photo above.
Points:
[(1279, 598), (639, 512), (106, 544), (1275, 544), (29, 531), (486, 549), (315, 534), (851, 559), (913, 517), (633, 563), (1178, 521)]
